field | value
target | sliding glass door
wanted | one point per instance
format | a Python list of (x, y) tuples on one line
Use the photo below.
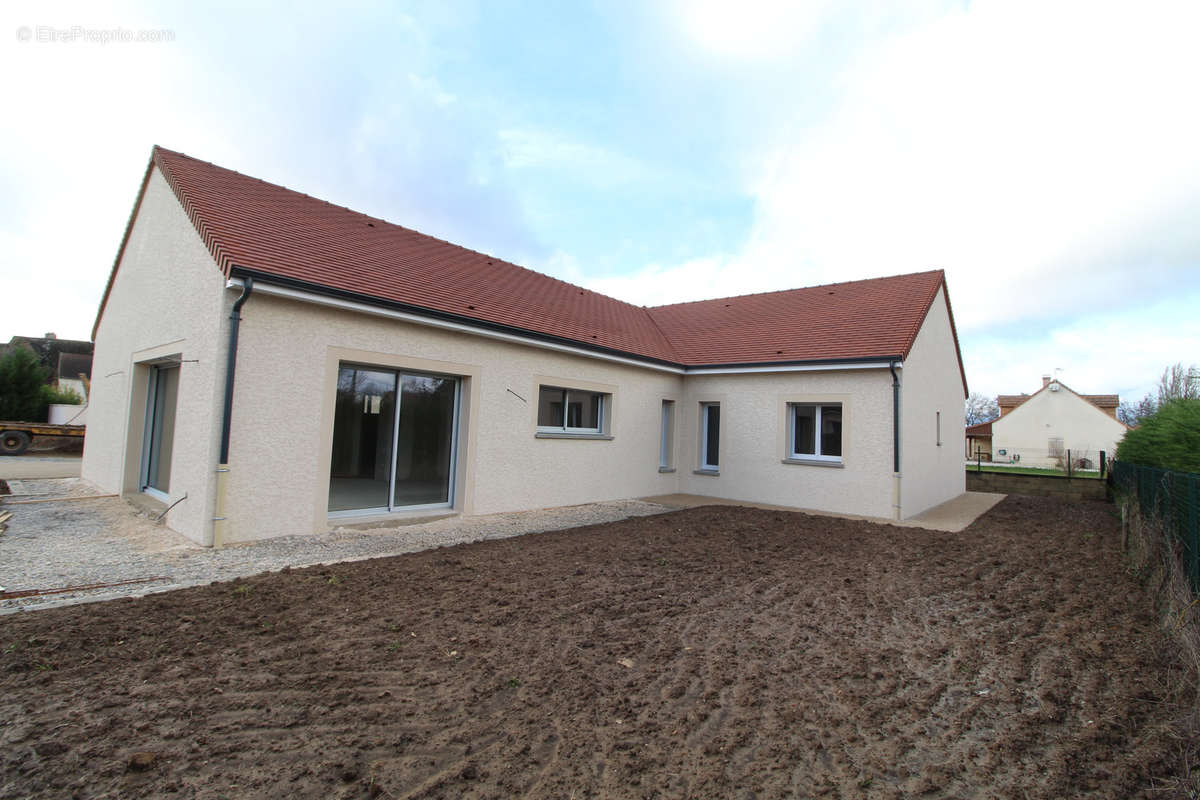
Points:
[(394, 440)]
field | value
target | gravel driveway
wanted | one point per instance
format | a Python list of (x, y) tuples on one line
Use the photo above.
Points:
[(70, 543)]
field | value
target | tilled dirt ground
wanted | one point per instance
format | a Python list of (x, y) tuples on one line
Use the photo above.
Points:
[(713, 652)]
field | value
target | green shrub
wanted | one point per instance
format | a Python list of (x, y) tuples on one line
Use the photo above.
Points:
[(1168, 438), (22, 382), (52, 394)]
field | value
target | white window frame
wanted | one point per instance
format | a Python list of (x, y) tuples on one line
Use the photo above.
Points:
[(704, 421), (602, 400), (791, 431), (666, 442)]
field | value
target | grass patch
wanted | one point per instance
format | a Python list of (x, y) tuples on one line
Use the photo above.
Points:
[(1076, 473)]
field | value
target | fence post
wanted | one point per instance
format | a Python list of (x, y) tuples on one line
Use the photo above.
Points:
[(1103, 464), (978, 461), (1068, 463), (1193, 532)]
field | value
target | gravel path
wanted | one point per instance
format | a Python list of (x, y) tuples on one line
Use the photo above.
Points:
[(82, 542)]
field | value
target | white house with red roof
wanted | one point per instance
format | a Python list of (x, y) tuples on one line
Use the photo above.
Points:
[(1055, 422), (268, 364)]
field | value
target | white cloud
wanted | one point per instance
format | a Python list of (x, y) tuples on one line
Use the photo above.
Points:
[(754, 30), (1043, 153), (598, 167), (72, 161), (1122, 353)]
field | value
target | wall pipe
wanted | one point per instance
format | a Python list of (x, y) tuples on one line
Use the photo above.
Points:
[(896, 495), (231, 365), (895, 417), (220, 520)]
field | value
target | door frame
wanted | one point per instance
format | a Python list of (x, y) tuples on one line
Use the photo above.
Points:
[(148, 440)]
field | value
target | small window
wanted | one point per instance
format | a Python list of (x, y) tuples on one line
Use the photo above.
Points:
[(815, 431), (710, 436), (570, 410), (666, 444)]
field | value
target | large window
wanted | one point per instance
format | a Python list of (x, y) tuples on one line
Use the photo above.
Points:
[(394, 440), (815, 431), (562, 410), (710, 436)]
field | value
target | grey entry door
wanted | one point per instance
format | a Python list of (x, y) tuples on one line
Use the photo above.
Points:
[(159, 440)]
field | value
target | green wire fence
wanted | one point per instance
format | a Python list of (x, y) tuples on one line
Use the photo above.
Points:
[(1172, 499)]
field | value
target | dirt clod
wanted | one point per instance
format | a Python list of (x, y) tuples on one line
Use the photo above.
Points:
[(139, 762)]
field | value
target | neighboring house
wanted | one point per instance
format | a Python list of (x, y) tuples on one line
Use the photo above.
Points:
[(66, 359), (74, 373), (1040, 429), (979, 441), (270, 364)]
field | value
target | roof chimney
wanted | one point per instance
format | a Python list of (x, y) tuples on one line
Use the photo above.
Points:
[(1045, 381), (50, 335)]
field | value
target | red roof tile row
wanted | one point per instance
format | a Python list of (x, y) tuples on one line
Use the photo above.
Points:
[(258, 228)]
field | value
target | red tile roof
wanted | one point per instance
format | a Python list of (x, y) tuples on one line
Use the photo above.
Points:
[(272, 233), (1011, 401), (1108, 403), (854, 320)]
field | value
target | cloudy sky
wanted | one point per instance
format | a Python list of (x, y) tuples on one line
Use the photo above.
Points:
[(1044, 154)]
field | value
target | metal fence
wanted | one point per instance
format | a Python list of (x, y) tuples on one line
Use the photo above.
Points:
[(1172, 499), (1083, 462)]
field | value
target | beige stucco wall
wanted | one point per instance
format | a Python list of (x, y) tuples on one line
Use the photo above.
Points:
[(287, 436), (931, 467), (1027, 429), (754, 432), (167, 301)]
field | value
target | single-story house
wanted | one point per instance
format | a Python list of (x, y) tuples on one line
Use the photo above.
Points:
[(1042, 428), (979, 441), (268, 363)]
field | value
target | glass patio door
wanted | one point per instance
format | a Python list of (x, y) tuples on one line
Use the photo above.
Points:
[(158, 442), (394, 440)]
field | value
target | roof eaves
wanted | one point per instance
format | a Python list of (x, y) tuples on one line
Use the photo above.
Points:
[(395, 305), (815, 362)]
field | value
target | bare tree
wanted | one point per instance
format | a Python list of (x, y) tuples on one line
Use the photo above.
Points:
[(981, 409), (1178, 383), (1132, 414)]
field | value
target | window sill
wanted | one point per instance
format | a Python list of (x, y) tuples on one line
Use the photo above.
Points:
[(710, 472), (665, 470), (549, 435), (814, 462)]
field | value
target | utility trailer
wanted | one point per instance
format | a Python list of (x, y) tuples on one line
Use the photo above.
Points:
[(15, 437)]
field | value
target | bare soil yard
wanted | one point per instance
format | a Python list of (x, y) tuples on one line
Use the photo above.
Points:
[(713, 652)]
